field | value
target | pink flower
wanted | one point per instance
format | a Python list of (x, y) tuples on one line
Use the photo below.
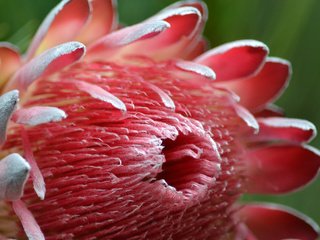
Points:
[(138, 133)]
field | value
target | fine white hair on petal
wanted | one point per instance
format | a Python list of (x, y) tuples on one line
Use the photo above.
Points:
[(196, 68), (288, 65), (50, 61), (14, 172), (8, 102), (101, 94), (77, 10), (126, 36), (247, 117), (181, 11), (283, 62), (288, 122), (166, 99), (37, 115), (236, 44), (145, 29)]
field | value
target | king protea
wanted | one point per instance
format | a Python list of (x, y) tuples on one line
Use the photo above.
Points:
[(138, 132)]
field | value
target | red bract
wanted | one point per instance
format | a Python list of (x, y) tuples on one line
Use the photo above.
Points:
[(131, 139)]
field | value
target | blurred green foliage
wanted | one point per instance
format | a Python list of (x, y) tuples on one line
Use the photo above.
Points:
[(289, 27)]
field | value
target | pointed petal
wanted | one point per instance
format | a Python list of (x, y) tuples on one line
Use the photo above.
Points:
[(47, 63), (264, 88), (184, 25), (200, 5), (198, 69), (36, 175), (271, 221), (103, 20), (166, 99), (291, 130), (14, 172), (235, 60), (280, 169), (8, 102), (37, 115), (247, 117), (101, 94), (28, 222), (9, 61), (61, 25), (197, 45), (106, 46)]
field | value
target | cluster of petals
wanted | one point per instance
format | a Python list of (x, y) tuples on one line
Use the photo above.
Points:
[(272, 152)]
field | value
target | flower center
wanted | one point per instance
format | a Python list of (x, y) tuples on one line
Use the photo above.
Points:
[(191, 164)]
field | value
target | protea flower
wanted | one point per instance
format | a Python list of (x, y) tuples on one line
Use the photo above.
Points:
[(145, 135)]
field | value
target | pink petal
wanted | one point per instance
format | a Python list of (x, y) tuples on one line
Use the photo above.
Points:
[(166, 99), (47, 63), (8, 102), (37, 115), (280, 169), (103, 20), (275, 222), (200, 5), (61, 25), (9, 61), (291, 130), (197, 45), (36, 175), (196, 68), (235, 60), (110, 44), (101, 94), (247, 117), (184, 27), (14, 172), (28, 222), (264, 88)]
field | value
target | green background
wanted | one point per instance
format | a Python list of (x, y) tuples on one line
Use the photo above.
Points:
[(289, 27)]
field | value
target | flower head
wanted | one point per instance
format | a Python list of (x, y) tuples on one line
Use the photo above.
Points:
[(140, 133)]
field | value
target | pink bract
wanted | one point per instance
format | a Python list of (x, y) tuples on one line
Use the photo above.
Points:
[(139, 132)]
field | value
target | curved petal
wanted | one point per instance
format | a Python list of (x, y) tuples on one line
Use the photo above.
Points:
[(116, 41), (197, 45), (9, 61), (61, 25), (265, 87), (47, 63), (99, 93), (200, 5), (280, 169), (247, 117), (14, 172), (37, 115), (184, 28), (235, 60), (104, 19), (28, 222), (291, 130), (38, 181), (8, 102), (199, 69), (276, 222)]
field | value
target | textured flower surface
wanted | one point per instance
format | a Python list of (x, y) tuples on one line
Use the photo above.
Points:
[(138, 132)]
